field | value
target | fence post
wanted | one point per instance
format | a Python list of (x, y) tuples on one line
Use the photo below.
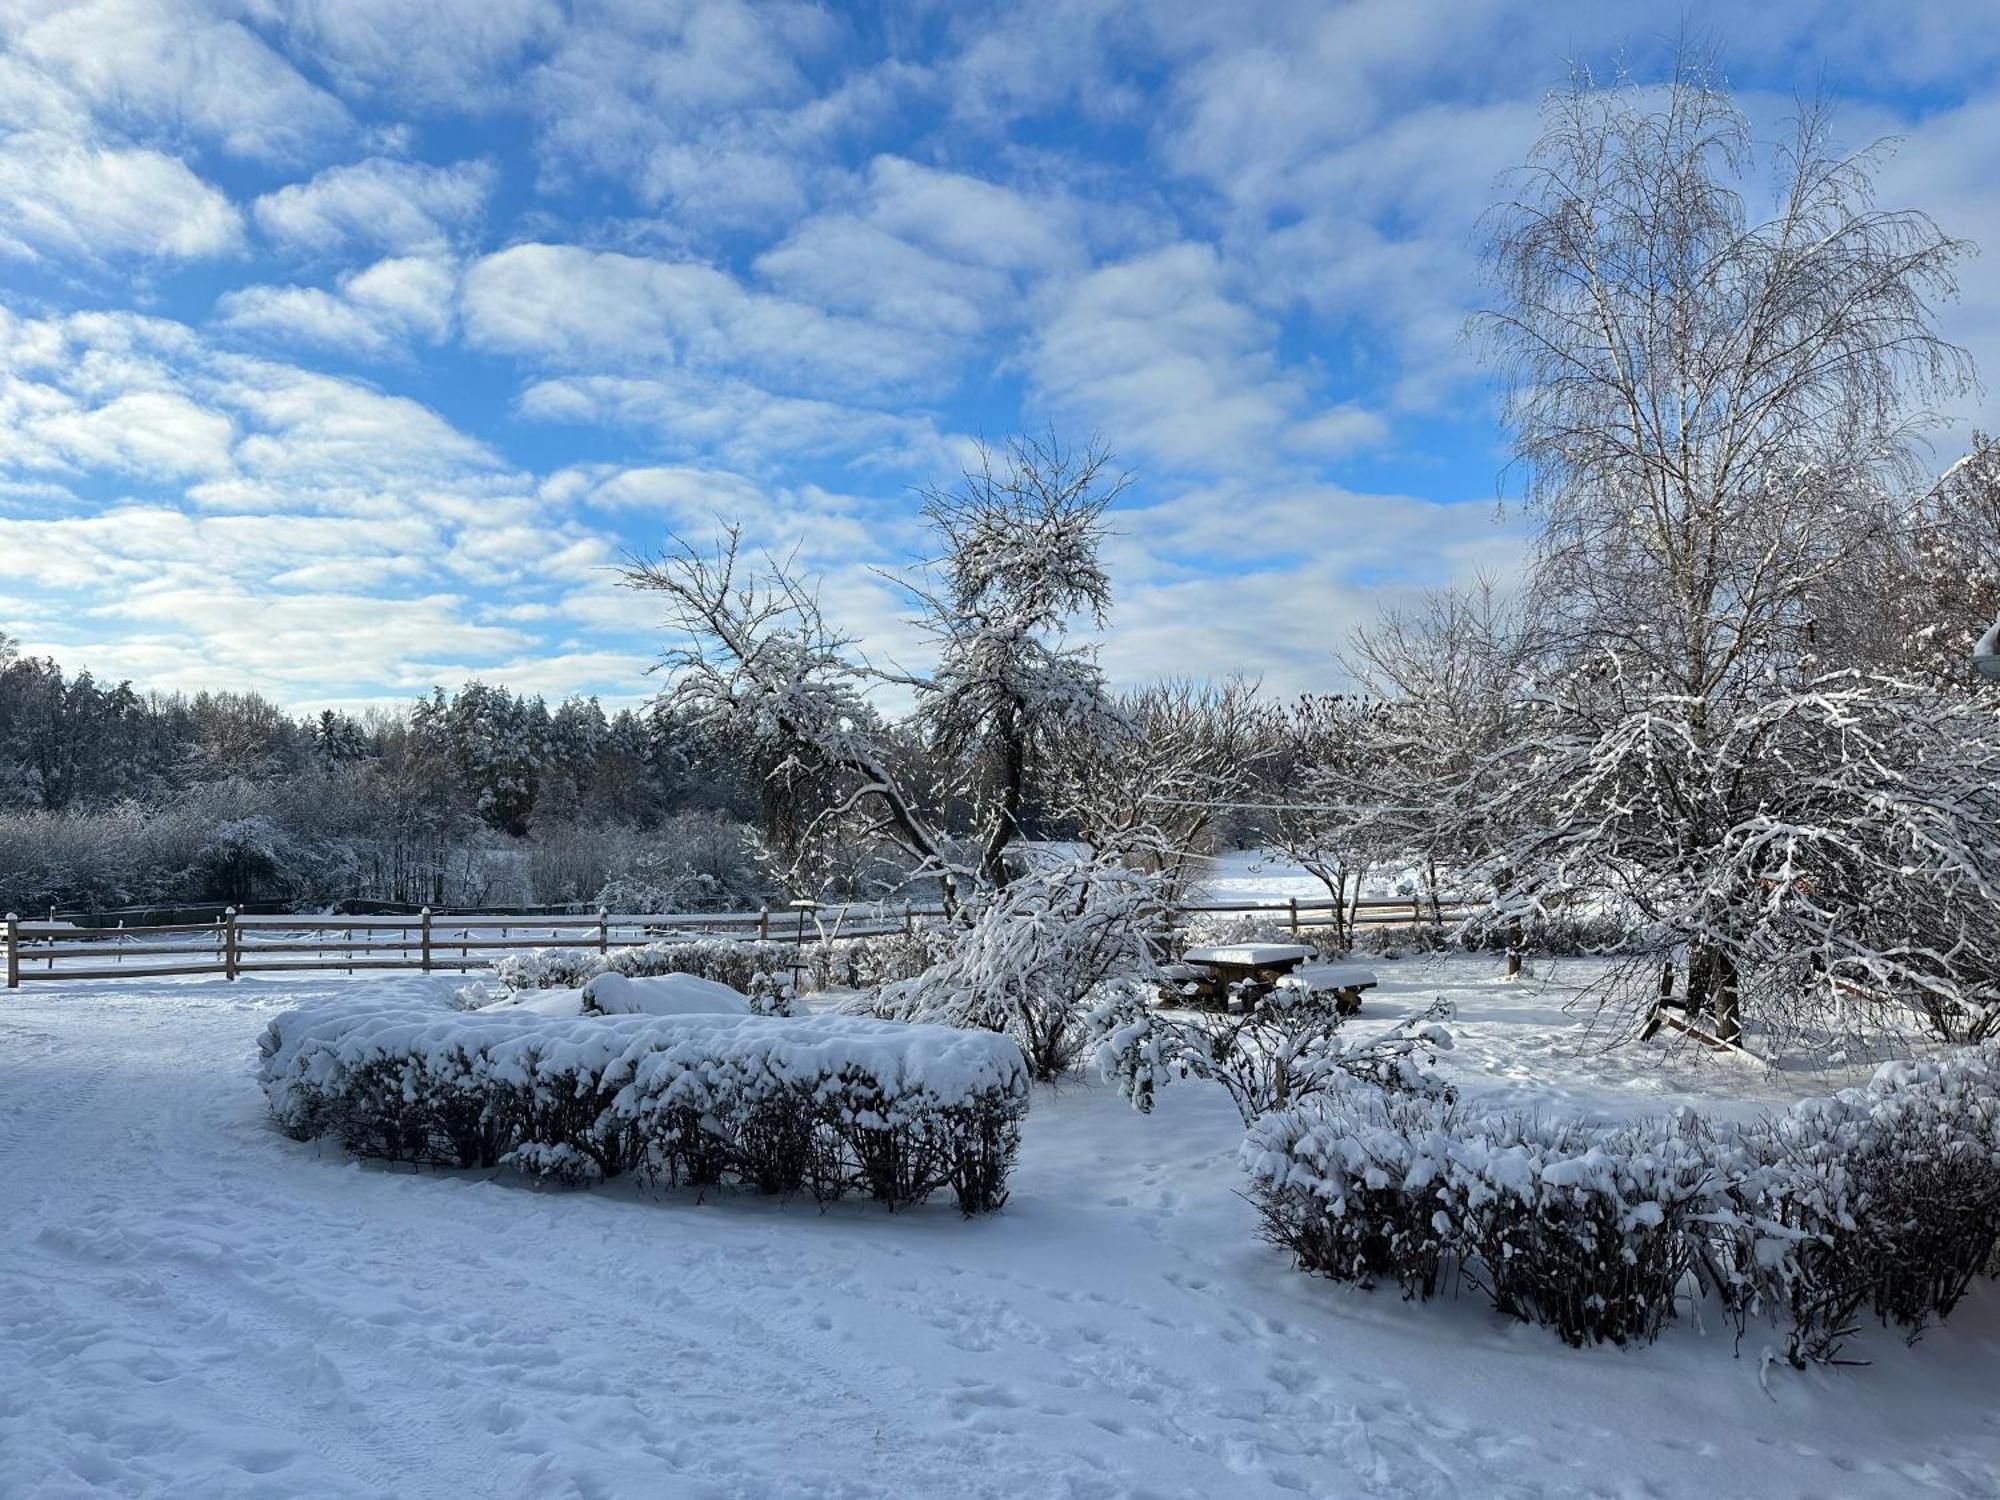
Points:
[(603, 930), (1294, 904), (229, 943), (1416, 910), (764, 923), (13, 951), (909, 926), (427, 939)]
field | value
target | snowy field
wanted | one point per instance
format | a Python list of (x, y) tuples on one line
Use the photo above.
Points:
[(1259, 877), (191, 1305)]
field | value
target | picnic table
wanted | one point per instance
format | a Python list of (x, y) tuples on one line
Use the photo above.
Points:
[(1231, 963), (1208, 975)]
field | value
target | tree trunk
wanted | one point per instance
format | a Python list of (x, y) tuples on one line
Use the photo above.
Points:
[(1728, 1001), (1013, 792)]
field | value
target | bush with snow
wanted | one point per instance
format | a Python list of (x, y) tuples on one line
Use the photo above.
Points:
[(761, 970), (1343, 1188), (1885, 1198), (830, 1105), (1028, 960), (1590, 1233), (614, 994), (866, 963), (1285, 1046)]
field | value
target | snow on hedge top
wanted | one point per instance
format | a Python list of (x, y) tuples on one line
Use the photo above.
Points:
[(1254, 955), (613, 994), (313, 1048)]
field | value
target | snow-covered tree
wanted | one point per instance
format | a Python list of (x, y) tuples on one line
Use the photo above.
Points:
[(1449, 673), (1714, 415), (1287, 1045), (1029, 958), (1019, 538), (1155, 783), (1017, 563), (1328, 816)]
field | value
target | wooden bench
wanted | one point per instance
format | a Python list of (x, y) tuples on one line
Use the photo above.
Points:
[(1347, 981)]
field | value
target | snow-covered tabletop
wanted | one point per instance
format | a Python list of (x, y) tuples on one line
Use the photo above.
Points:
[(1250, 955)]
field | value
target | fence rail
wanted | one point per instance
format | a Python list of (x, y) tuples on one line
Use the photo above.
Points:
[(253, 943)]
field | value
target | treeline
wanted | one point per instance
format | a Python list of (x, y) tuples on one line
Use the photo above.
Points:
[(111, 796)]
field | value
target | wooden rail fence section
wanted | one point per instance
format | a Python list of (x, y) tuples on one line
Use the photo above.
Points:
[(239, 943)]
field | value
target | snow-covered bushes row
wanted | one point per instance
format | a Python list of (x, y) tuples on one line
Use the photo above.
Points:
[(1885, 1199), (758, 968), (828, 1105), (866, 963)]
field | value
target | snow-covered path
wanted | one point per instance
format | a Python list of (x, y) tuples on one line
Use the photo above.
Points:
[(191, 1305)]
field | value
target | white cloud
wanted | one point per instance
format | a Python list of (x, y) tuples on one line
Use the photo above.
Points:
[(307, 535), (1337, 430), (1157, 353), (393, 205), (710, 109), (94, 200), (148, 432), (741, 423), (1269, 582), (939, 254), (376, 311), (176, 68), (443, 54), (573, 306)]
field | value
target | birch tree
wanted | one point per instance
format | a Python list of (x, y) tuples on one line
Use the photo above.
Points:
[(1718, 367)]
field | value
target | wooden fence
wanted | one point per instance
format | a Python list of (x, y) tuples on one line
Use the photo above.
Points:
[(243, 943)]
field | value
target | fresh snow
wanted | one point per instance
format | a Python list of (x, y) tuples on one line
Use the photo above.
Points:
[(1263, 877), (663, 995), (191, 1305), (1255, 955)]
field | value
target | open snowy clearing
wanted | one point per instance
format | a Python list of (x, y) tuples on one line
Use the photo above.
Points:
[(192, 1305)]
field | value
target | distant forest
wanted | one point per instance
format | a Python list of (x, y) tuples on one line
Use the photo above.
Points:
[(111, 796)]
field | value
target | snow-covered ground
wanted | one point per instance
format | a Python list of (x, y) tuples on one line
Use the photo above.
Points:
[(1259, 876), (191, 1305)]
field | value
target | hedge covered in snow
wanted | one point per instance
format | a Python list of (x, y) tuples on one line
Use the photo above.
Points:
[(744, 964), (830, 1105), (1884, 1199), (761, 969)]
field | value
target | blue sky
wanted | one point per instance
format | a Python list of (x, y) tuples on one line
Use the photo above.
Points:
[(345, 344)]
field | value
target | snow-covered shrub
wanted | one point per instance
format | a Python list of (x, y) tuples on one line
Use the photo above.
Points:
[(736, 962), (1591, 1233), (1351, 1189), (548, 969), (476, 995), (1885, 1198), (613, 994), (1028, 960), (831, 1105), (1290, 1043), (1389, 940), (866, 963)]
